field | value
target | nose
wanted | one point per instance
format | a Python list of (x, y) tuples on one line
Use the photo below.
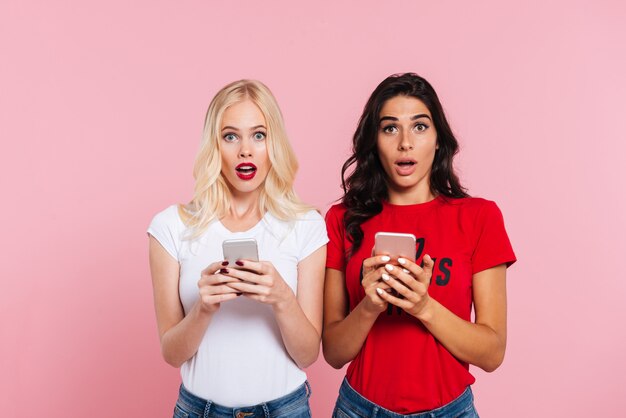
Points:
[(405, 142), (245, 151)]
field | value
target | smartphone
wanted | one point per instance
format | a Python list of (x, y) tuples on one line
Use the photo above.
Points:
[(240, 249), (395, 245)]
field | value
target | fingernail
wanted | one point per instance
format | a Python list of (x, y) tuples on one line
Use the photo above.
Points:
[(379, 291), (385, 277), (224, 271), (389, 267), (239, 263), (406, 271), (402, 260), (385, 258), (428, 257), (224, 263)]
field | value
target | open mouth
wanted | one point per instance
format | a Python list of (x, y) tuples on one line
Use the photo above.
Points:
[(406, 163), (405, 167), (246, 171)]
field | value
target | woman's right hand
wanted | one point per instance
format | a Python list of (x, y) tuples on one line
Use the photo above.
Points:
[(373, 268), (213, 287)]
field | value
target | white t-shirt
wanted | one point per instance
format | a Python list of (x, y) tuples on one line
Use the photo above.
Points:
[(241, 359)]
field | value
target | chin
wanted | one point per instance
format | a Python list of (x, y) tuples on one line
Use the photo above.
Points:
[(404, 183), (248, 188), (239, 186)]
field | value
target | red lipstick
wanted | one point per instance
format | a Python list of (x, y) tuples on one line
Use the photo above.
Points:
[(246, 171)]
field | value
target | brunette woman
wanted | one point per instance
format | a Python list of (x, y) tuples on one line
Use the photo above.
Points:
[(405, 327)]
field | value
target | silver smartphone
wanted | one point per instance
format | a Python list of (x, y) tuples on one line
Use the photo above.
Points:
[(240, 249), (395, 245)]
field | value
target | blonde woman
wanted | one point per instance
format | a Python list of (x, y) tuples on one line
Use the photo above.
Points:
[(240, 332)]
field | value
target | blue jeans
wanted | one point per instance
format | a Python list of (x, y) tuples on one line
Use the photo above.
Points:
[(350, 404), (294, 404)]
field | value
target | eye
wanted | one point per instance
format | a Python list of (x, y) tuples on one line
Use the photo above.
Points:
[(421, 127), (230, 137), (259, 136), (390, 129)]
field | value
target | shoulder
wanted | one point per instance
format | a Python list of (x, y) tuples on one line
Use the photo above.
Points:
[(470, 205), (312, 215), (168, 228), (310, 220), (473, 213), (309, 233), (335, 220), (336, 211), (169, 218), (303, 221)]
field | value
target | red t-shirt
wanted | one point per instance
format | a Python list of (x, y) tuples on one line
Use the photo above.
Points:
[(401, 366)]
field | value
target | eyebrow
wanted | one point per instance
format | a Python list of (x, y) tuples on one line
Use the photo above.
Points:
[(414, 117), (237, 129)]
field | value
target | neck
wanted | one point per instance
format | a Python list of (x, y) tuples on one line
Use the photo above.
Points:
[(419, 194), (245, 205)]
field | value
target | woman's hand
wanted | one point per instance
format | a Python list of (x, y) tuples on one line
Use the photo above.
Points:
[(411, 282), (213, 286), (260, 281), (373, 270)]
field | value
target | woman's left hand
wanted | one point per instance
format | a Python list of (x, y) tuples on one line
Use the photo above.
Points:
[(261, 281), (412, 285)]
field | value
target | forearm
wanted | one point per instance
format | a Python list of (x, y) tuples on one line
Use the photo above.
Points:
[(342, 340), (180, 342), (300, 337), (473, 343)]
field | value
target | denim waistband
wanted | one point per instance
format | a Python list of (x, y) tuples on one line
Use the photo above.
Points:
[(204, 408), (366, 408)]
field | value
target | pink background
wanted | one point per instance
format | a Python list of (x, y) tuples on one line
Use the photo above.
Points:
[(101, 110)]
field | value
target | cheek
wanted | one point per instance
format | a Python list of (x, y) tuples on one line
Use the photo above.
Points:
[(428, 157), (227, 156), (383, 154), (264, 156), (428, 149), (224, 159)]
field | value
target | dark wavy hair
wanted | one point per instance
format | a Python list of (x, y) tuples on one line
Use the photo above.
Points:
[(365, 187)]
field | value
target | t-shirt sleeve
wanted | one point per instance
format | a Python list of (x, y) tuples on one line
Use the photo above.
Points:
[(492, 246), (311, 234), (164, 228), (335, 254)]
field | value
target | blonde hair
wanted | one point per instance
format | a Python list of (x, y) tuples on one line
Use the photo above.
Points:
[(212, 196)]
